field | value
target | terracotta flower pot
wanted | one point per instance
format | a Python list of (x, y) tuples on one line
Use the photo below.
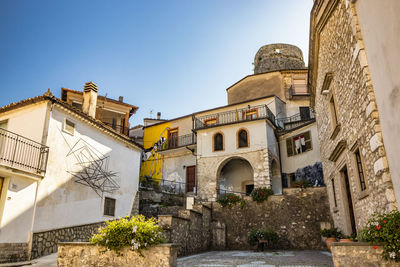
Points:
[(329, 240), (345, 240)]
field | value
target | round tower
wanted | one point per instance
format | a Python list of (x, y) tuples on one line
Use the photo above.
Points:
[(275, 57)]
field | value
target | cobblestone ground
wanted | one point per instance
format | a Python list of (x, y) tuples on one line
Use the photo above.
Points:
[(258, 259)]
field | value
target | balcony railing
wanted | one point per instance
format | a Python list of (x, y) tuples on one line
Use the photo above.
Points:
[(22, 153), (235, 116), (180, 141), (119, 128), (295, 121)]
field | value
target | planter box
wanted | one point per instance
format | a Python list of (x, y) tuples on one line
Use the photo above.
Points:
[(358, 254), (80, 254)]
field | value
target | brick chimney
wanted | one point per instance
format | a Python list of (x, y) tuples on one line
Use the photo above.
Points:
[(158, 115), (90, 99)]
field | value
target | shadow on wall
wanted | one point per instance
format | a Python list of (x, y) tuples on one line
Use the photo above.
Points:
[(312, 173), (235, 175)]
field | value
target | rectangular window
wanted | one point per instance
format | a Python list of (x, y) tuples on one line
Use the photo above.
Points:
[(109, 206), (333, 112), (210, 122), (360, 170), (298, 144), (173, 138), (300, 86), (250, 114), (77, 105), (69, 127), (4, 124), (334, 192)]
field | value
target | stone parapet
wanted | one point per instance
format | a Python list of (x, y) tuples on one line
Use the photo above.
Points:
[(14, 252), (88, 255), (357, 254)]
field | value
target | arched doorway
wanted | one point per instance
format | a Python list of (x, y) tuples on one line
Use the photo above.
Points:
[(235, 175), (276, 179)]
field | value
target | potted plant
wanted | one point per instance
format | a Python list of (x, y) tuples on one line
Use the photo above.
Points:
[(331, 234), (263, 237), (348, 238), (261, 194)]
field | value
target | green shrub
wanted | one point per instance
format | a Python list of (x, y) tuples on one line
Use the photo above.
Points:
[(384, 229), (304, 183), (269, 235), (261, 194), (136, 232), (229, 199), (331, 232)]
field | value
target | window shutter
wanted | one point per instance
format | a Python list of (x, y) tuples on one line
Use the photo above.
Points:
[(289, 147)]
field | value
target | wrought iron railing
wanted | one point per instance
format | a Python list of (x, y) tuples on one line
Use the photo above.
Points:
[(119, 128), (22, 153), (166, 186), (180, 141), (295, 121), (234, 116), (222, 192)]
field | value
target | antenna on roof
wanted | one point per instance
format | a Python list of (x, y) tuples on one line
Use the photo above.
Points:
[(151, 113)]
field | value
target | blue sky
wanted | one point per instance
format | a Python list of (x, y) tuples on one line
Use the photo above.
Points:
[(176, 56)]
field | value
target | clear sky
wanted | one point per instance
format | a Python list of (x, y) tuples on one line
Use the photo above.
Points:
[(175, 56)]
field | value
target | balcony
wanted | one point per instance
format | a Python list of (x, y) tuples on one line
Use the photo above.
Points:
[(21, 153), (187, 140), (234, 116), (119, 128), (295, 121)]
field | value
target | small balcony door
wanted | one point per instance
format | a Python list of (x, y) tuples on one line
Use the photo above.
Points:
[(173, 138), (304, 113), (190, 178)]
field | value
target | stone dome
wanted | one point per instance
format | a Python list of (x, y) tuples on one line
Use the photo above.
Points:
[(275, 57)]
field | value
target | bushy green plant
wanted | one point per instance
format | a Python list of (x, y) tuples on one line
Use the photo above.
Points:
[(269, 235), (229, 199), (304, 183), (136, 232), (384, 229), (331, 232), (261, 194)]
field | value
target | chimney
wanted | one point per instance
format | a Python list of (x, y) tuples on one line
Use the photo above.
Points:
[(158, 115), (121, 99), (90, 99)]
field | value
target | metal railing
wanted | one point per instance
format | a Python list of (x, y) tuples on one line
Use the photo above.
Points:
[(295, 121), (183, 140), (167, 186), (222, 192), (22, 153), (234, 116), (119, 128)]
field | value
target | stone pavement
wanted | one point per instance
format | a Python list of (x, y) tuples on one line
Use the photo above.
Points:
[(295, 258)]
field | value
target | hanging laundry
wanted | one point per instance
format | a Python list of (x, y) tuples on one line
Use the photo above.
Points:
[(303, 143), (297, 144)]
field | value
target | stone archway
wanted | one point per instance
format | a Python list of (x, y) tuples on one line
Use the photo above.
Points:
[(276, 178), (235, 175)]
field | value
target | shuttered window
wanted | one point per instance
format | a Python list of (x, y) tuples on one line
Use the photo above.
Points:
[(109, 206), (218, 142)]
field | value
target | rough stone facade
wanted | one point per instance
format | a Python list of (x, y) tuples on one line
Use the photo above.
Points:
[(359, 254), (154, 203), (210, 167), (190, 230), (274, 57), (88, 255), (338, 51), (45, 243), (296, 216), (14, 252)]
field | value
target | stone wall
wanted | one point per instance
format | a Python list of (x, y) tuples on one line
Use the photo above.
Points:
[(88, 255), (45, 243), (358, 254), (296, 216), (341, 52), (154, 203), (190, 230), (13, 252)]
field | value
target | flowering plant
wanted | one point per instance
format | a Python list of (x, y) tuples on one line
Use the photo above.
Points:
[(384, 229), (261, 194), (136, 232), (304, 183), (269, 235), (229, 199)]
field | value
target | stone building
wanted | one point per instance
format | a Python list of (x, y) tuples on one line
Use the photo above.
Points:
[(264, 137), (62, 174), (354, 86)]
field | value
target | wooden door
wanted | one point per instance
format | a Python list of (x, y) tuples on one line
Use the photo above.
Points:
[(172, 138), (349, 200), (190, 178)]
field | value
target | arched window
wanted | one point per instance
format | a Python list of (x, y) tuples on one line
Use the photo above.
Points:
[(218, 142), (242, 138)]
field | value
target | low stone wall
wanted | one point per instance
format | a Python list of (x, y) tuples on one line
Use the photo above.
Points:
[(152, 203), (45, 243), (13, 252), (296, 216), (88, 255), (357, 254), (190, 230)]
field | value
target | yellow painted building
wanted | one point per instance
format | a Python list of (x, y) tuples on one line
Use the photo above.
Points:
[(153, 165)]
